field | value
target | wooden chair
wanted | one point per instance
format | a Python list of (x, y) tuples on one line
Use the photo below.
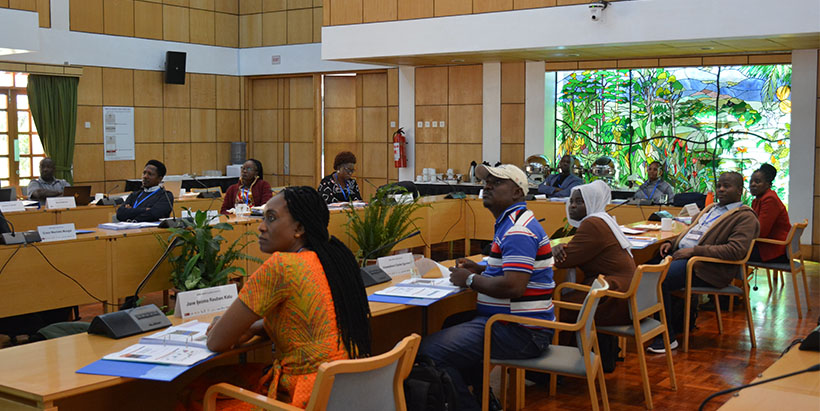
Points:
[(375, 383), (645, 299), (583, 361), (792, 243), (729, 290)]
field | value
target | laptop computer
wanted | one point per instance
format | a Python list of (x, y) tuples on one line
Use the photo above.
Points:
[(81, 194)]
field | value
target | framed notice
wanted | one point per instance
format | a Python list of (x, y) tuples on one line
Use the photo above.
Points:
[(118, 133)]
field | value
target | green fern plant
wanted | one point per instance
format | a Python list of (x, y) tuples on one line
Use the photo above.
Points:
[(382, 222), (199, 261)]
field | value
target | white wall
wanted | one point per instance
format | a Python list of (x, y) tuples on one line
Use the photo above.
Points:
[(802, 144)]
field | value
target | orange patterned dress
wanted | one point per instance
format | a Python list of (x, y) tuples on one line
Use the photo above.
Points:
[(290, 292)]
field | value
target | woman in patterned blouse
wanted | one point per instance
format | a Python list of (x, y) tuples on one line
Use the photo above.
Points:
[(308, 297), (340, 186)]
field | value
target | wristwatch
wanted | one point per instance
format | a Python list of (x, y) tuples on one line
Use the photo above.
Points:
[(470, 280)]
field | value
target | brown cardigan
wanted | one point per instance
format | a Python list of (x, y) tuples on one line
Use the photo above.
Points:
[(595, 250), (728, 238)]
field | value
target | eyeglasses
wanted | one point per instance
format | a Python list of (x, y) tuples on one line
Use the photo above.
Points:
[(248, 168), (350, 170)]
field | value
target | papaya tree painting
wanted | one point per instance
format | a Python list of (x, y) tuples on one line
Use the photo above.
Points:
[(697, 121)]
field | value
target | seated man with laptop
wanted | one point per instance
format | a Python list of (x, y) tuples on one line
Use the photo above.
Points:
[(151, 202), (46, 186)]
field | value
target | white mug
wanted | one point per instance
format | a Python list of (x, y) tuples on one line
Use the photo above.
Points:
[(667, 224)]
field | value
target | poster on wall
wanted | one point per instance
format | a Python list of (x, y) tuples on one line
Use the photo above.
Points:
[(118, 133)]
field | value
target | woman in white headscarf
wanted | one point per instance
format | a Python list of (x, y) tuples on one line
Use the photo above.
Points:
[(598, 247)]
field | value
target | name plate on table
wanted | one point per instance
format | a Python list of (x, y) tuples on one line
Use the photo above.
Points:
[(11, 206), (691, 209), (60, 202), (399, 264), (205, 301), (57, 232)]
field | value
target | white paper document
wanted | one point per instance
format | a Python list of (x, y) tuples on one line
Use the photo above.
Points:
[(627, 230), (641, 242), (161, 354), (190, 334), (127, 226), (414, 292), (431, 282)]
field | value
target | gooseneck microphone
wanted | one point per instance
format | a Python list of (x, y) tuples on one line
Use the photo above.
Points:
[(131, 302), (389, 245), (12, 237), (106, 200), (206, 194), (173, 222)]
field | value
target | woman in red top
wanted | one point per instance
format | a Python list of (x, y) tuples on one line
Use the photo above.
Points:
[(251, 188), (772, 214)]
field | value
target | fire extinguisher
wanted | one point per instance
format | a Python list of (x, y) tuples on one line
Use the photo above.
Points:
[(399, 150)]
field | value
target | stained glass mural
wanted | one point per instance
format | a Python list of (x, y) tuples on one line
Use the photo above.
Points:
[(698, 121)]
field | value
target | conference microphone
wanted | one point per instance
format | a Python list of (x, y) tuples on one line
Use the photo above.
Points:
[(12, 237), (389, 245), (108, 201), (131, 302), (206, 194), (172, 222)]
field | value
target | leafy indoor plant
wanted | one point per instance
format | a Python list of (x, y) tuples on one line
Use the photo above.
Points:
[(382, 222), (199, 261)]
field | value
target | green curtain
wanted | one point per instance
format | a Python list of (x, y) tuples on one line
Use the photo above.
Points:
[(53, 102)]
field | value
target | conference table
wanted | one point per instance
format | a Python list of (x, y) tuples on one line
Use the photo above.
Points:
[(42, 376)]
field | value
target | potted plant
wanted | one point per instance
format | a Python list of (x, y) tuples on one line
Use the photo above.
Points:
[(200, 261), (382, 222)]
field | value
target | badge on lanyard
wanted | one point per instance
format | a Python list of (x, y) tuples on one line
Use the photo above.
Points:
[(694, 235)]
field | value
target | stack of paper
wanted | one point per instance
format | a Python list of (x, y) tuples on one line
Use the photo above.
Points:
[(127, 226), (641, 242), (185, 344)]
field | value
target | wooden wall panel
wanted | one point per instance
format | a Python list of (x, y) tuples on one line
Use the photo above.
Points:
[(486, 6), (345, 12), (431, 155), (460, 156), (431, 86), (512, 154), (340, 91), (226, 30), (89, 89), (532, 4), (300, 26), (300, 92), (393, 87), (512, 123), (513, 83), (203, 29), (374, 125), (148, 20), (204, 158), (119, 170), (415, 9), (227, 6), (203, 90), (93, 135), (148, 125), (317, 24), (374, 89), (373, 161), (88, 162), (340, 125), (250, 30), (301, 125), (177, 95), (268, 155), (177, 125), (429, 114), (149, 86), (250, 6), (379, 10), (301, 160), (118, 17), (465, 84), (175, 23), (86, 15), (265, 93), (227, 92), (265, 125), (223, 154), (227, 126), (203, 126), (465, 124), (178, 157), (118, 87), (274, 28), (202, 4), (300, 4), (452, 7), (274, 5)]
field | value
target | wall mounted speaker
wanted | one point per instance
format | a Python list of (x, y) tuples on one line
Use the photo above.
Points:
[(175, 67)]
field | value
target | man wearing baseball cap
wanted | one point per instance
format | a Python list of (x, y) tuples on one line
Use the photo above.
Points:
[(516, 280)]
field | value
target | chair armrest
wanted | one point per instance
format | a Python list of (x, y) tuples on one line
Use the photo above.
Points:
[(567, 305), (556, 325), (617, 294), (771, 241), (702, 259), (242, 394)]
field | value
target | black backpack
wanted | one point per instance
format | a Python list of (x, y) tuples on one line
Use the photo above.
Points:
[(429, 388)]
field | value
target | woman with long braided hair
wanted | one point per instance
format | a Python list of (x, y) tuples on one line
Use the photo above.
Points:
[(308, 297)]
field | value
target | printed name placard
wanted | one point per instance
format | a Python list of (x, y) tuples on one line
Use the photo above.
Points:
[(11, 206), (60, 202), (57, 232), (399, 264), (691, 209), (205, 301)]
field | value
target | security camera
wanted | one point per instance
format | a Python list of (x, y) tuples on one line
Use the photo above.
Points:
[(596, 9)]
